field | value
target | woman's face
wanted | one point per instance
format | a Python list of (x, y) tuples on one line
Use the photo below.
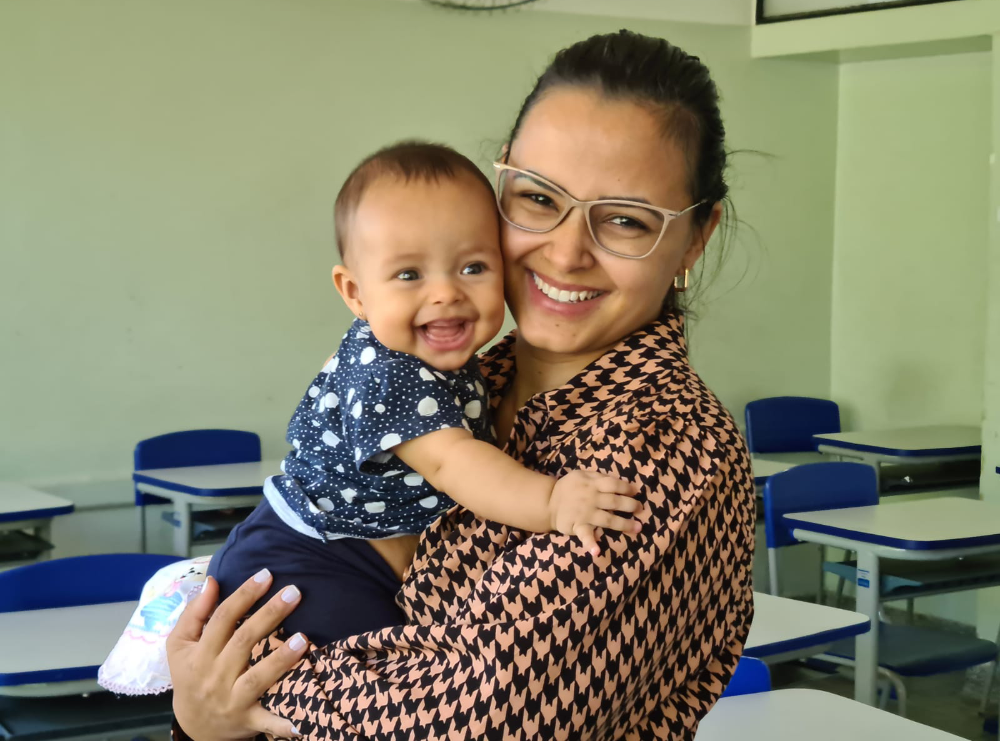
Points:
[(595, 147)]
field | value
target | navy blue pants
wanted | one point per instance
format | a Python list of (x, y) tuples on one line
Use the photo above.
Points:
[(347, 587)]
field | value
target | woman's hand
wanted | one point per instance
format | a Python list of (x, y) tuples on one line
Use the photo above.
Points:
[(216, 697)]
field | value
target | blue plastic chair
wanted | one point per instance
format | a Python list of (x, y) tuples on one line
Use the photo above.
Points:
[(79, 580), (904, 650), (786, 424), (751, 676), (71, 582), (190, 448)]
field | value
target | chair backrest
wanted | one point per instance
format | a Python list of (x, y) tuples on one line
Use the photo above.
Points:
[(812, 487), (79, 580), (786, 424), (751, 676), (194, 448)]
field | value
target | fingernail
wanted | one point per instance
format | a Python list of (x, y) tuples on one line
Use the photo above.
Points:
[(291, 594), (262, 576), (297, 641), (595, 551), (294, 731)]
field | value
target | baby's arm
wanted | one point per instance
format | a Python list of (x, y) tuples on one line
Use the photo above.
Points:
[(485, 480)]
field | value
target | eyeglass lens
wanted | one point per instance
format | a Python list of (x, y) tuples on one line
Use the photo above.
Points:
[(533, 204)]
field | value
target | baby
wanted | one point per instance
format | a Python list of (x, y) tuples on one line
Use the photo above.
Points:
[(395, 429)]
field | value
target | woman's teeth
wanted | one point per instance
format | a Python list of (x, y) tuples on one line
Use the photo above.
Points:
[(564, 297)]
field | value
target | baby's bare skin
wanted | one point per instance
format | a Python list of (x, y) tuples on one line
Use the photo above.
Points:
[(397, 552)]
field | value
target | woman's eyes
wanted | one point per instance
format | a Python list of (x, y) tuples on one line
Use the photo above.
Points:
[(476, 268), (626, 222), (539, 199), (408, 275)]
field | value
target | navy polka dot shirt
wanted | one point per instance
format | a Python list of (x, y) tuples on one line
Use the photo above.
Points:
[(342, 479)]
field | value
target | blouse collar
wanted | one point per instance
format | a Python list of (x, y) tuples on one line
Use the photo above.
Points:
[(639, 360)]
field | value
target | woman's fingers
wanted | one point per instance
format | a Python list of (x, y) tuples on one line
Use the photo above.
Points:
[(223, 622), (262, 721), (234, 656), (253, 683), (586, 535), (197, 612)]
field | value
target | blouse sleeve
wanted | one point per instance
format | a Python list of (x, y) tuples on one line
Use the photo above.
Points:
[(526, 636)]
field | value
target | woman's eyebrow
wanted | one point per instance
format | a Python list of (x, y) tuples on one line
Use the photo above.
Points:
[(543, 182), (537, 179), (635, 199)]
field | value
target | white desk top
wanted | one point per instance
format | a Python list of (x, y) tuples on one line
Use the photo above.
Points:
[(62, 637), (797, 714), (765, 467), (221, 479), (18, 499), (903, 441), (782, 625), (930, 524)]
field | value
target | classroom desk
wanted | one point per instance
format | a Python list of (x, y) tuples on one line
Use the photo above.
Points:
[(24, 508), (765, 465), (796, 714), (221, 486), (764, 468), (58, 651), (786, 629), (932, 529), (931, 444)]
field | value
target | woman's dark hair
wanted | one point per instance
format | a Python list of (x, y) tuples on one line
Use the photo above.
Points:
[(654, 73)]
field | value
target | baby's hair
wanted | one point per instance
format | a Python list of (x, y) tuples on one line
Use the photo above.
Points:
[(406, 160)]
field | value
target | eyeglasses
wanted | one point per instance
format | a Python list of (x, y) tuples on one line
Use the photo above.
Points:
[(624, 228)]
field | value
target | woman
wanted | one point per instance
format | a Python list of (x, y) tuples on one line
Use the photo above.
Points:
[(518, 636)]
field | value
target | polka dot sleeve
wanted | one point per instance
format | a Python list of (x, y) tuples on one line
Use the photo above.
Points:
[(403, 399)]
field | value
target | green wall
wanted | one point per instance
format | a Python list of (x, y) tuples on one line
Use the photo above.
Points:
[(167, 176), (910, 249)]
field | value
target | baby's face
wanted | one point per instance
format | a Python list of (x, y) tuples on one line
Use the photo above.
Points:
[(425, 261)]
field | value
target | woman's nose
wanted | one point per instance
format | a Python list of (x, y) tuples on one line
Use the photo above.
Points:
[(571, 245)]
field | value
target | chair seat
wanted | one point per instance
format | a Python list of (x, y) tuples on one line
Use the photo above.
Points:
[(918, 652), (211, 524), (905, 579), (17, 545)]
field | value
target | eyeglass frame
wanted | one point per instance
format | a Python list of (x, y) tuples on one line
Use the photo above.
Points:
[(668, 214)]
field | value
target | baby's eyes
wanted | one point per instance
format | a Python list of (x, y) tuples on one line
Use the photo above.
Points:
[(475, 268), (408, 275)]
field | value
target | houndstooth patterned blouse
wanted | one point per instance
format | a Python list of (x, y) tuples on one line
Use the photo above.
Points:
[(516, 635)]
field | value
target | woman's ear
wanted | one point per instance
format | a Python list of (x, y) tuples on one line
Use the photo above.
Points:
[(347, 286), (700, 235)]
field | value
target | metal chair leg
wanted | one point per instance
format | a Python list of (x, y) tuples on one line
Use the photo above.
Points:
[(989, 680), (822, 560), (142, 528), (772, 571)]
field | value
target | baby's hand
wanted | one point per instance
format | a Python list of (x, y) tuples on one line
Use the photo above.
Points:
[(583, 500)]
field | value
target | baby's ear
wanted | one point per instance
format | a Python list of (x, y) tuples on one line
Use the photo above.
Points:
[(347, 287)]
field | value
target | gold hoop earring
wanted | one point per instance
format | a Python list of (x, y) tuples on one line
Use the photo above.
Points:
[(681, 284)]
